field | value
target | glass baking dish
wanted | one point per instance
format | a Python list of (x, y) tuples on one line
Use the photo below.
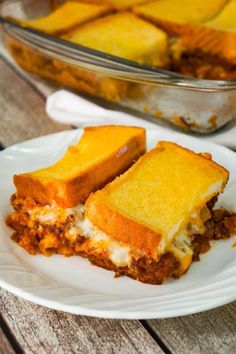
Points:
[(196, 105)]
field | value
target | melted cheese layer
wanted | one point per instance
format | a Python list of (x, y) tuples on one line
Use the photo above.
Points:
[(118, 253)]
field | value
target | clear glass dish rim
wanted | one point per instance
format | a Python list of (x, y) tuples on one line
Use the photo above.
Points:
[(110, 64)]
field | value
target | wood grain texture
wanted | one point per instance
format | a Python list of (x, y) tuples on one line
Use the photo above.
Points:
[(22, 111), (5, 346), (40, 330), (210, 332)]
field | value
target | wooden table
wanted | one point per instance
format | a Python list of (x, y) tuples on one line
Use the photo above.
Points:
[(29, 328)]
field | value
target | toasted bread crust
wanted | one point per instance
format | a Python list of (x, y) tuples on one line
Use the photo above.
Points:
[(71, 192), (120, 228)]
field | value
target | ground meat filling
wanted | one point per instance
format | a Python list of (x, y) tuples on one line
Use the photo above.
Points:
[(221, 226), (49, 239), (197, 64), (151, 271), (35, 237)]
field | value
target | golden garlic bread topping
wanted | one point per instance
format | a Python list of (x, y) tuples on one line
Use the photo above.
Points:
[(180, 12), (102, 153), (125, 36), (157, 198), (66, 17), (226, 19)]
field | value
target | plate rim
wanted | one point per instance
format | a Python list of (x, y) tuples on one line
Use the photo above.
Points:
[(107, 314)]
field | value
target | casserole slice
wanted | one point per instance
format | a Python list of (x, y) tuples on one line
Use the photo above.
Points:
[(49, 201), (154, 220)]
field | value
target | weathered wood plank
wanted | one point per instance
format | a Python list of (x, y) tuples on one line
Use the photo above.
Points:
[(22, 112), (40, 330), (211, 332), (5, 346), (41, 86)]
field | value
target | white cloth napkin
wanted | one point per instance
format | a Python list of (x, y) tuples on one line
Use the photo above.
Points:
[(68, 108)]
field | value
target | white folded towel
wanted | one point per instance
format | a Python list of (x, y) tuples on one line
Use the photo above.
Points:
[(68, 108)]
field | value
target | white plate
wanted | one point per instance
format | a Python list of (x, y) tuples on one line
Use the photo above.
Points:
[(74, 285)]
